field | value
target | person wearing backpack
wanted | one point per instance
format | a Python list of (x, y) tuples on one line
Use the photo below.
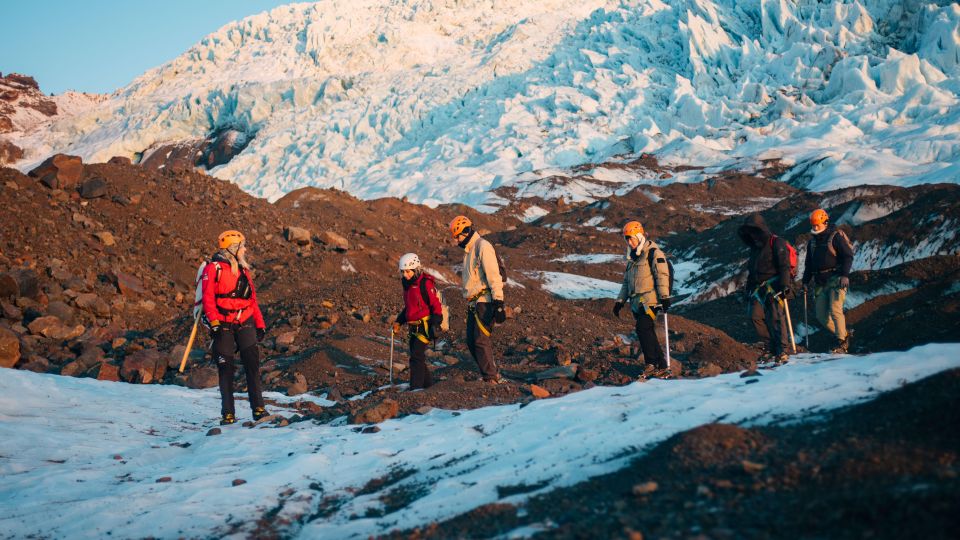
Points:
[(230, 310), (827, 272), (768, 283), (646, 286), (423, 315), (483, 290)]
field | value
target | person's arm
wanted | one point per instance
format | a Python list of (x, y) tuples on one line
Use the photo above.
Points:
[(807, 264), (844, 253), (491, 270)]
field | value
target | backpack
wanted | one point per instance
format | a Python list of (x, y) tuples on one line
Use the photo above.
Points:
[(198, 295), (650, 262), (791, 253), (444, 309)]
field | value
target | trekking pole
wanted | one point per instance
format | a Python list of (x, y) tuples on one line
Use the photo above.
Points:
[(666, 337), (186, 353), (391, 356), (806, 329), (786, 309)]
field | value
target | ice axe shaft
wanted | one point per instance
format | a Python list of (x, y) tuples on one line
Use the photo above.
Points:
[(186, 353), (666, 337), (806, 329), (786, 311), (392, 333)]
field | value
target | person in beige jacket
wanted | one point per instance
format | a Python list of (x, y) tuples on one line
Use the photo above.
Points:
[(646, 286), (483, 289)]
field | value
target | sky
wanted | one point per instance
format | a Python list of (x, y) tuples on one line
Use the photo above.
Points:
[(103, 45)]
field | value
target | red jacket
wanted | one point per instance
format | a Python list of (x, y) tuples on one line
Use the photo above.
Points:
[(414, 308), (228, 310)]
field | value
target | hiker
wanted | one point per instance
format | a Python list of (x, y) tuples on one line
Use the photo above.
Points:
[(231, 312), (768, 284), (422, 313), (646, 286), (483, 289), (827, 272)]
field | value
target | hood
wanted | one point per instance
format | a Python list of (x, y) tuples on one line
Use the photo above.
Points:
[(754, 231)]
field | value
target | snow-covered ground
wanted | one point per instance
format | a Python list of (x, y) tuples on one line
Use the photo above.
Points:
[(575, 287), (402, 98), (80, 458)]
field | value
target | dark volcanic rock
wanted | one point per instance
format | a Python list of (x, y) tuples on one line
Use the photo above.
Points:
[(59, 171), (93, 188)]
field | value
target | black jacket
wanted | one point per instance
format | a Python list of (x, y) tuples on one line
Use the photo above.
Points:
[(768, 259), (822, 263)]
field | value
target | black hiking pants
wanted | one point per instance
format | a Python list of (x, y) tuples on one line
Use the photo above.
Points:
[(479, 342), (646, 329), (758, 315), (420, 376), (776, 325), (226, 343)]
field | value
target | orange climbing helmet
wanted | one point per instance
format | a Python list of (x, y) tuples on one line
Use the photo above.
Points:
[(632, 228), (818, 217), (229, 238), (458, 224)]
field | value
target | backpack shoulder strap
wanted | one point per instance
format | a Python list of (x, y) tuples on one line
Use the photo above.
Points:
[(423, 290)]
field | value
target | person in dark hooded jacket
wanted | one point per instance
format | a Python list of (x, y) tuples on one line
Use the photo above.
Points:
[(768, 282)]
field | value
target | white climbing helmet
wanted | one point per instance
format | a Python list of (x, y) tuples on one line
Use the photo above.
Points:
[(409, 261)]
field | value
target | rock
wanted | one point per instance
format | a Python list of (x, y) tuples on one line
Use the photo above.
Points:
[(144, 366), (202, 377), (561, 372), (8, 287), (362, 314), (327, 304), (425, 409), (20, 282), (286, 339), (93, 188), (91, 356), (108, 372), (539, 392), (106, 238), (214, 431), (59, 171), (9, 152), (298, 386), (450, 360), (335, 241), (51, 327), (370, 429), (36, 364), (120, 160), (376, 413), (297, 235), (11, 311), (72, 369), (128, 285), (164, 479), (60, 310), (750, 467), (562, 356), (587, 375), (334, 395), (645, 488), (238, 482), (9, 348), (92, 303), (709, 370)]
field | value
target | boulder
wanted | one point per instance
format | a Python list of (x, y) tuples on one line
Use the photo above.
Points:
[(52, 327), (297, 235), (376, 413), (59, 171), (120, 160), (128, 285), (108, 372), (144, 366), (93, 188), (298, 386), (92, 303), (286, 339), (36, 364), (20, 282), (91, 356), (72, 369), (335, 241), (106, 238), (539, 392), (11, 311), (9, 348), (8, 287), (561, 372), (61, 310), (202, 377), (9, 152)]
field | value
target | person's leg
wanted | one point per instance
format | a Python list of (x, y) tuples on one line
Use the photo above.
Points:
[(822, 307), (224, 346), (837, 297), (647, 336), (757, 318), (772, 316), (482, 348), (250, 356), (419, 374)]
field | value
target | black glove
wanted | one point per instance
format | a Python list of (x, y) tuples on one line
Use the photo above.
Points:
[(617, 306), (433, 326), (215, 327), (261, 333), (499, 314), (665, 304), (844, 282)]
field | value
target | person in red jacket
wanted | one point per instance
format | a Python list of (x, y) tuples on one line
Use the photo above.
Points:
[(231, 311), (422, 312)]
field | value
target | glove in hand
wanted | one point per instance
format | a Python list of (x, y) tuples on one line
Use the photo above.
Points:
[(617, 307)]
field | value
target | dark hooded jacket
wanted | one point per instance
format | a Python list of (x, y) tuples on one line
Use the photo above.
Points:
[(769, 256), (828, 254)]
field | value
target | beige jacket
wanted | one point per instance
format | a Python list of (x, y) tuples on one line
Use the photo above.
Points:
[(638, 283), (481, 271)]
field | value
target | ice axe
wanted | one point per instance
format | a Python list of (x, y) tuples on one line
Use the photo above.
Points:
[(786, 310), (186, 353), (391, 355), (806, 329), (666, 337)]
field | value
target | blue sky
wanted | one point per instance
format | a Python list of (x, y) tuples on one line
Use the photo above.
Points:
[(102, 45)]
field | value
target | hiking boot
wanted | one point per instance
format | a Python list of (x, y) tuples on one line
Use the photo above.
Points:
[(843, 347), (228, 419), (782, 358), (662, 373), (497, 380), (259, 413)]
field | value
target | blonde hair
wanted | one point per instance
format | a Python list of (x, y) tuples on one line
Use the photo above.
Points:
[(236, 261)]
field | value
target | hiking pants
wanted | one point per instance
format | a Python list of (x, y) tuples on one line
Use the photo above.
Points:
[(420, 376), (759, 318), (226, 343), (646, 329), (776, 325), (828, 302), (479, 343)]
